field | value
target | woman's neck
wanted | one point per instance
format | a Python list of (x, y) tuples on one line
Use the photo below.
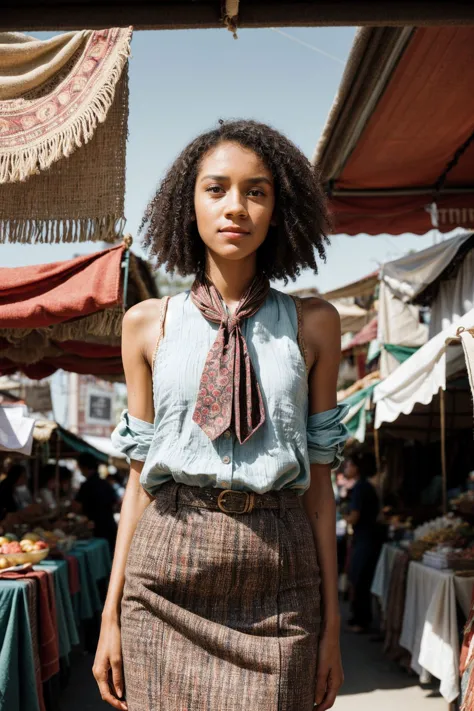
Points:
[(231, 279)]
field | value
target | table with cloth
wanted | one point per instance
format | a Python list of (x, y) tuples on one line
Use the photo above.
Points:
[(430, 624), (39, 616), (381, 582)]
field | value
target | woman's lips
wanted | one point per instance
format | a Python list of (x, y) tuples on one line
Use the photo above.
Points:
[(230, 233)]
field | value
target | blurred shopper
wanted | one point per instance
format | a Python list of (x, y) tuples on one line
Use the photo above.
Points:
[(97, 499), (366, 541)]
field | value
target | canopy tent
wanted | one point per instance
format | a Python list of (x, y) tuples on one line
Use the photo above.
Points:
[(418, 381), (367, 334), (104, 445), (400, 134), (61, 443), (359, 414), (187, 14), (364, 287), (69, 314)]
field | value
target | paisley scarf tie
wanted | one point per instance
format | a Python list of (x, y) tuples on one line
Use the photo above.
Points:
[(229, 393)]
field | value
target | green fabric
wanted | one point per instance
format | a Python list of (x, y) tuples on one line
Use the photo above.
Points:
[(78, 445), (67, 629), (401, 353), (374, 350), (359, 416), (17, 672), (94, 564)]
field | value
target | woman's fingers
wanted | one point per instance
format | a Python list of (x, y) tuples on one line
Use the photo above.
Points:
[(328, 701), (102, 678), (321, 684), (117, 676)]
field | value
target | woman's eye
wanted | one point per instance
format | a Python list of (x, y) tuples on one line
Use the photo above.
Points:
[(214, 189), (256, 192)]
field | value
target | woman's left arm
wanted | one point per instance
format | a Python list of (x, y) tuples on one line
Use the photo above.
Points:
[(322, 336)]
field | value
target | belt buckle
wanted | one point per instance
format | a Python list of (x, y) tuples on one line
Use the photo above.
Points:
[(248, 501)]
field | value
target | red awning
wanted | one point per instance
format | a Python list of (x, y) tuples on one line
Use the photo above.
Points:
[(68, 314), (365, 335), (400, 134)]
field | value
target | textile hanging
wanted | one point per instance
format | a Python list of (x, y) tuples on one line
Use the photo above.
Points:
[(63, 127)]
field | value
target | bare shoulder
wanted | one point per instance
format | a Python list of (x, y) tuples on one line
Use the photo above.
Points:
[(318, 312), (321, 328), (143, 314)]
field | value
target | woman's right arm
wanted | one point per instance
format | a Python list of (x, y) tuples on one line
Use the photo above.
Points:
[(137, 335)]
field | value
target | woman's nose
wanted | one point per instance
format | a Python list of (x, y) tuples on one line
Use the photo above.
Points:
[(235, 204)]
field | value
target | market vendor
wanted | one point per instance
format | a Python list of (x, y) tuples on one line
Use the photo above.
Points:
[(96, 499), (363, 515)]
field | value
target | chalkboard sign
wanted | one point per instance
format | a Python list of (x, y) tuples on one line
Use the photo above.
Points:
[(99, 410)]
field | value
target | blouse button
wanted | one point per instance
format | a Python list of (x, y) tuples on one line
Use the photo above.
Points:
[(226, 459)]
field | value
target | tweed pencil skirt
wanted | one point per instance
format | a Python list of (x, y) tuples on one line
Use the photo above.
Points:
[(220, 612)]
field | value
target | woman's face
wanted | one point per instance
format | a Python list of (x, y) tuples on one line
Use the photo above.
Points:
[(234, 201)]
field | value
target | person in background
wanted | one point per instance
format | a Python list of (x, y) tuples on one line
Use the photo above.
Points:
[(366, 542), (14, 492), (97, 499), (47, 485)]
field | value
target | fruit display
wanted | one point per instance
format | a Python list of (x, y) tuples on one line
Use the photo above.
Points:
[(30, 549)]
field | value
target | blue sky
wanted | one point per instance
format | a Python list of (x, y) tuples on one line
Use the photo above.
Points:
[(182, 82)]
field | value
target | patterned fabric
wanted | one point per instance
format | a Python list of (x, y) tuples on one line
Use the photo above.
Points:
[(220, 612), (65, 97), (278, 455), (228, 390)]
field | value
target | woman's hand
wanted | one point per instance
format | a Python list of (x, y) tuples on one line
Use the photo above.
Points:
[(108, 663), (330, 676)]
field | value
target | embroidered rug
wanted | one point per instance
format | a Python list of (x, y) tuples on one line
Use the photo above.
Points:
[(63, 129)]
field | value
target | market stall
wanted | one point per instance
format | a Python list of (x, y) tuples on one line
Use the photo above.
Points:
[(393, 156)]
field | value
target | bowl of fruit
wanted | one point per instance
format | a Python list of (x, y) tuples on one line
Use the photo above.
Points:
[(31, 549)]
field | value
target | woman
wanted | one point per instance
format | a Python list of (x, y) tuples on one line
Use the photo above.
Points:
[(366, 541), (221, 605)]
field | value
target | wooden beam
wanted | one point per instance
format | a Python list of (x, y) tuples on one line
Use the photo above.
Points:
[(31, 15)]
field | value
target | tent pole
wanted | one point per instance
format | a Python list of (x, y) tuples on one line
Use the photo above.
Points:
[(56, 477), (36, 471), (442, 411), (377, 450)]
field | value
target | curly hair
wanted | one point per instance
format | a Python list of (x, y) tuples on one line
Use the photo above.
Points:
[(301, 217)]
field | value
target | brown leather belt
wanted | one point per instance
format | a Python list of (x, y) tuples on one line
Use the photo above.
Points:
[(231, 501)]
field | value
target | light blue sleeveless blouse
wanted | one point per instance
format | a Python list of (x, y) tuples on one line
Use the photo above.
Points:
[(278, 454)]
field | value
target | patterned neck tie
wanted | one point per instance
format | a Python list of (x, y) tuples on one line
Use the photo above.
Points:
[(228, 391)]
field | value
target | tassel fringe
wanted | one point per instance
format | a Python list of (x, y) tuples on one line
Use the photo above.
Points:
[(19, 164)]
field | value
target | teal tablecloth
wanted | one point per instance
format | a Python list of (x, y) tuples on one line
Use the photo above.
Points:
[(94, 564), (67, 628), (17, 673)]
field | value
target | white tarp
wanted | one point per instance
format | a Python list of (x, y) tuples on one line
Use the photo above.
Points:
[(16, 430), (409, 276), (398, 324), (420, 377), (454, 298)]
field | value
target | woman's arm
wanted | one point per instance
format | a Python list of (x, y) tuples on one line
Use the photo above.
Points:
[(139, 330), (322, 335)]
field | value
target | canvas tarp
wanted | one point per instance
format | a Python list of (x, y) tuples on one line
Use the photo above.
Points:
[(359, 413), (68, 314), (409, 276), (418, 380), (399, 325), (399, 134)]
